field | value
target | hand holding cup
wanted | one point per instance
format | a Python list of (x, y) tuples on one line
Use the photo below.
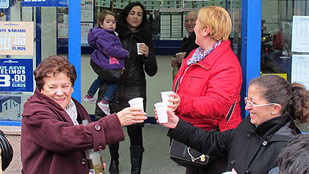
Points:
[(131, 115), (180, 56), (172, 119), (142, 49), (171, 98)]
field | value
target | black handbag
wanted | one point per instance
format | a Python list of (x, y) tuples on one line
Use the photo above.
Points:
[(110, 75), (189, 157)]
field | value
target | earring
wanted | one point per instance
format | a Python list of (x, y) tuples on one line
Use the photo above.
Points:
[(272, 113)]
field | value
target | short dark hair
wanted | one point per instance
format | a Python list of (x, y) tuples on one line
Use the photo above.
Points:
[(55, 65), (293, 98), (294, 156)]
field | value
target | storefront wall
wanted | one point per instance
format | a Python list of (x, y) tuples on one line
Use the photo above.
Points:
[(256, 43)]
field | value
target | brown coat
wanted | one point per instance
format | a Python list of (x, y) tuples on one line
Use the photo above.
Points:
[(50, 143)]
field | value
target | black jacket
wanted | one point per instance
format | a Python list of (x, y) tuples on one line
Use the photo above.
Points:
[(249, 149), (188, 44), (133, 82)]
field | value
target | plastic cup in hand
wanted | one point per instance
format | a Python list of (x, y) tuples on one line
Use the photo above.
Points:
[(161, 112), (137, 103), (165, 97), (138, 50)]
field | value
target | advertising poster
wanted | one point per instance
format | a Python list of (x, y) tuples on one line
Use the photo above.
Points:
[(300, 70), (44, 3), (86, 10), (16, 38), (63, 30), (10, 107), (85, 27), (16, 75)]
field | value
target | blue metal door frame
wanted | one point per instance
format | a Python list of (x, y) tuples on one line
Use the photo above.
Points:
[(251, 20), (251, 43), (74, 44)]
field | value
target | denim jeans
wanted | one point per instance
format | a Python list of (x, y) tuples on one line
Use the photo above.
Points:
[(110, 90), (95, 86)]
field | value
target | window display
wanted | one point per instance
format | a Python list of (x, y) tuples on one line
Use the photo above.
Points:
[(284, 41)]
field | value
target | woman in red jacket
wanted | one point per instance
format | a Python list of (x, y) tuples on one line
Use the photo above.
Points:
[(53, 138), (209, 80)]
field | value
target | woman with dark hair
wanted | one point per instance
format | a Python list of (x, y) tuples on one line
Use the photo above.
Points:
[(53, 136), (133, 28), (273, 103)]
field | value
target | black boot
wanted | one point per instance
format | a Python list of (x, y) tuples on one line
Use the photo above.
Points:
[(136, 153), (113, 150)]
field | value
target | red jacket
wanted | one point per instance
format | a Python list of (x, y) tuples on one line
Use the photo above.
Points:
[(209, 88), (50, 144)]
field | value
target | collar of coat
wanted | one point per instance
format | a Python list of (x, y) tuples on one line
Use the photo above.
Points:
[(279, 128), (215, 55)]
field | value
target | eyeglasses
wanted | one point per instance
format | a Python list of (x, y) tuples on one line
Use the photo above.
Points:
[(247, 101)]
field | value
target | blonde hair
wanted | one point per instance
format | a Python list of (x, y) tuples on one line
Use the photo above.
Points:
[(217, 19)]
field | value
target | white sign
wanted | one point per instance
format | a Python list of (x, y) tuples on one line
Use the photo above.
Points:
[(86, 10), (300, 34), (16, 38), (85, 27), (300, 69)]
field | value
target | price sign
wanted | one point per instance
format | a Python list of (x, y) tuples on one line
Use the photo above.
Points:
[(16, 38), (16, 75)]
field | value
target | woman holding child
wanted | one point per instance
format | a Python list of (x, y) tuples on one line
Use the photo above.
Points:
[(133, 28)]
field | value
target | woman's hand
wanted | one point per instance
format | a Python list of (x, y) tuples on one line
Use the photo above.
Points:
[(172, 119), (144, 49), (175, 100), (131, 115), (174, 63)]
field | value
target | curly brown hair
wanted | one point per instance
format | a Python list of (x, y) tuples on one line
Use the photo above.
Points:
[(53, 65)]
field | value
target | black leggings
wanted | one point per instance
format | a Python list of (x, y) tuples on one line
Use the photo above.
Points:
[(135, 135)]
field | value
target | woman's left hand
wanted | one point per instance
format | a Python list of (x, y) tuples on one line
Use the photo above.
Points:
[(144, 49), (172, 119)]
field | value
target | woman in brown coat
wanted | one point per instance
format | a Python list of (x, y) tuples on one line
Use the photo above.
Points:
[(53, 138)]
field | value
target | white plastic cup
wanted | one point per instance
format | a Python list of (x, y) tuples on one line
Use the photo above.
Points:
[(161, 112), (165, 97), (138, 50), (137, 102)]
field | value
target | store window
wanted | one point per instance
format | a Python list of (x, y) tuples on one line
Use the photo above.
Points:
[(165, 16), (27, 33), (285, 41), (49, 36)]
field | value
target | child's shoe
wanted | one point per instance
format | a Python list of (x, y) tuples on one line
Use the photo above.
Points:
[(89, 99), (104, 107)]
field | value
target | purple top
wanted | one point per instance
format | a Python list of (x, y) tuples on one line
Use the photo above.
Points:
[(108, 52)]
